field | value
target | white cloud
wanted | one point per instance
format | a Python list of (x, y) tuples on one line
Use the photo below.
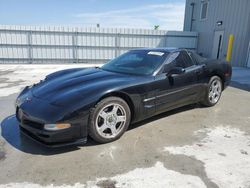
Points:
[(169, 16)]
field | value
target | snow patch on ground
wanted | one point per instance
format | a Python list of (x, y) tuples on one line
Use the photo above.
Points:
[(154, 177), (24, 75), (225, 153)]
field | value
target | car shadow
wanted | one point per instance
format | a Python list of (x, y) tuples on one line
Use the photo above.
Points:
[(11, 133)]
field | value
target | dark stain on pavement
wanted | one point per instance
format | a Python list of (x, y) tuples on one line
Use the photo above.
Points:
[(2, 155), (106, 184)]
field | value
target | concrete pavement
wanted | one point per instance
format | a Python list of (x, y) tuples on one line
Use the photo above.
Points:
[(188, 147)]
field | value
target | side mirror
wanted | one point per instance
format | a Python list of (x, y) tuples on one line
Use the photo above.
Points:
[(176, 70)]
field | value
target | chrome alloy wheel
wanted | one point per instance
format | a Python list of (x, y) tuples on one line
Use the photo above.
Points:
[(215, 91), (110, 120)]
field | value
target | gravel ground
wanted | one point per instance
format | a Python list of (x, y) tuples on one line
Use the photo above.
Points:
[(188, 147)]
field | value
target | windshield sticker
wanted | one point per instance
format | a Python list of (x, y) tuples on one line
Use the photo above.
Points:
[(155, 53)]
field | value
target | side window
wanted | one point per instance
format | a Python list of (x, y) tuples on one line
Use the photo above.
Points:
[(186, 59), (174, 60), (178, 59), (197, 58), (192, 57)]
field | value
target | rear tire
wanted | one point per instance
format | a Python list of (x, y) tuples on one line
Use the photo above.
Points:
[(109, 119), (213, 92)]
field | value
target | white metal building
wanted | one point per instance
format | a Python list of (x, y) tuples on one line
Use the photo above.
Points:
[(215, 20)]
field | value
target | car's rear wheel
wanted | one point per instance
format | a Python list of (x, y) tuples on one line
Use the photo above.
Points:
[(213, 92), (109, 119)]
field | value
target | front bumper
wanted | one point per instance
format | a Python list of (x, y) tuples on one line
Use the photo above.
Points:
[(36, 138), (75, 135)]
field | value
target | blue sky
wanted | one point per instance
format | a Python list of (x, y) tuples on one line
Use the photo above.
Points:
[(169, 14)]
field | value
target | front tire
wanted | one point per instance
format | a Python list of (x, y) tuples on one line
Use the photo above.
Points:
[(213, 92), (109, 119)]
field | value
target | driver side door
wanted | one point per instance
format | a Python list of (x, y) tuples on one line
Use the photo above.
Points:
[(177, 88)]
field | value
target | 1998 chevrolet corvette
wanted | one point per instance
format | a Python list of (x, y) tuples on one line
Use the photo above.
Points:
[(69, 105)]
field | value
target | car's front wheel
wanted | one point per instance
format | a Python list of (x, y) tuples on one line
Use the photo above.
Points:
[(213, 92), (109, 119)]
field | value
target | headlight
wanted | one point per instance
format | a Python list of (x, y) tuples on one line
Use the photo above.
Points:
[(56, 126)]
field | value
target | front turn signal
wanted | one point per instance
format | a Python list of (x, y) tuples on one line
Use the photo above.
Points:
[(56, 126)]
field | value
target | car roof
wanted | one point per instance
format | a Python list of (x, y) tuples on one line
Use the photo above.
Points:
[(168, 49)]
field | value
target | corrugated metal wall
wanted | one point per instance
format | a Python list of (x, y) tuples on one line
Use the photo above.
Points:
[(235, 15), (21, 44)]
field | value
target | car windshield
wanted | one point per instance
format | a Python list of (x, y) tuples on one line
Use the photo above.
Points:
[(140, 62)]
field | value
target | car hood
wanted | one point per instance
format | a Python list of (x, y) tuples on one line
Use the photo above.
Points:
[(77, 83)]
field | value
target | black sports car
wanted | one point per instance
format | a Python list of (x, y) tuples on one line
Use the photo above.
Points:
[(69, 105)]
